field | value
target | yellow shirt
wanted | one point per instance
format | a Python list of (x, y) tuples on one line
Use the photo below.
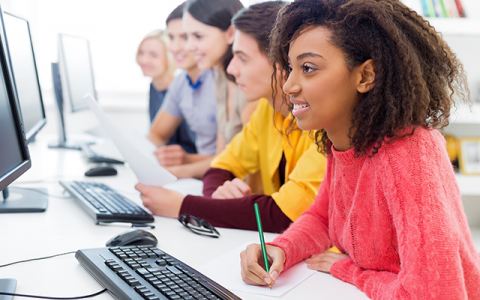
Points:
[(259, 147)]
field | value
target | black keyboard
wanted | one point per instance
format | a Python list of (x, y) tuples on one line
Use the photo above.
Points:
[(106, 205), (97, 158), (141, 272)]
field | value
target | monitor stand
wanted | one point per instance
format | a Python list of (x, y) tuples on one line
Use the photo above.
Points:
[(24, 200), (7, 285)]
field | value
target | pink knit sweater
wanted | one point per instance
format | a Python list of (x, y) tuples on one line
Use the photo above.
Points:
[(398, 216)]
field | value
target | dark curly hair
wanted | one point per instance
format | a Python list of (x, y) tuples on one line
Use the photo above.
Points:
[(417, 75)]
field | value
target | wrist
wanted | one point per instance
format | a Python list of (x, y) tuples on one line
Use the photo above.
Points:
[(188, 158), (178, 205), (343, 270)]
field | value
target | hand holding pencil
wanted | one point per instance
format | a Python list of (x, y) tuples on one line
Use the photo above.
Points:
[(252, 265), (255, 255)]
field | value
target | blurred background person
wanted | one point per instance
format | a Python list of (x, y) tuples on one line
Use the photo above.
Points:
[(156, 63), (191, 99)]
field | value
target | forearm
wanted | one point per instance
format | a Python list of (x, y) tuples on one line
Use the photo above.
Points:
[(195, 157), (237, 213), (193, 170), (156, 139), (404, 285), (309, 234), (213, 178)]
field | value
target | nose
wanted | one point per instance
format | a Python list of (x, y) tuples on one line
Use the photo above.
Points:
[(291, 87), (173, 46), (232, 68), (190, 45)]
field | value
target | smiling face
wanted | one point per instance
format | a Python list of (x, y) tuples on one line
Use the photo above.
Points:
[(251, 67), (151, 58), (321, 87), (207, 43), (177, 45)]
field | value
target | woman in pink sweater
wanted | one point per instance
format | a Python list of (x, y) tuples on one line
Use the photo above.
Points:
[(377, 82)]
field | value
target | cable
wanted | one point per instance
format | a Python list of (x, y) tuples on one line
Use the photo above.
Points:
[(47, 297), (61, 298), (38, 258), (38, 191)]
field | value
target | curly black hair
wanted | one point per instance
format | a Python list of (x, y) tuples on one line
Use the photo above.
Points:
[(417, 74)]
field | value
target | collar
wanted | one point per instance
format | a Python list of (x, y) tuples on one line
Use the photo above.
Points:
[(195, 85)]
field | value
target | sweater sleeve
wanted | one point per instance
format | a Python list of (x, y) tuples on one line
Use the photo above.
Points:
[(311, 229), (214, 178), (437, 257), (237, 213)]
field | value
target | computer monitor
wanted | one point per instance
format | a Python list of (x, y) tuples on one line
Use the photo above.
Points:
[(14, 156), (72, 79), (25, 74), (76, 71)]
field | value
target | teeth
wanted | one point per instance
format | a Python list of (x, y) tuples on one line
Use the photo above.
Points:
[(300, 106)]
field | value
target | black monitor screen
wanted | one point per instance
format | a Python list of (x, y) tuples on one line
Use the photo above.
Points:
[(12, 151), (25, 74), (76, 70)]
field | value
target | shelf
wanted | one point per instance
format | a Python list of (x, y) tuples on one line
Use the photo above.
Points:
[(456, 26), (469, 185)]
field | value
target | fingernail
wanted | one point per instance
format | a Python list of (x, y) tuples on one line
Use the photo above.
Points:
[(267, 280), (274, 275)]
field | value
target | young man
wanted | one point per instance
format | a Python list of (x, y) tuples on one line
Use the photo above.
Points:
[(190, 98), (289, 164)]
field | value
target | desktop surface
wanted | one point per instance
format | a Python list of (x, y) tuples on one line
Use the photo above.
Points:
[(66, 227)]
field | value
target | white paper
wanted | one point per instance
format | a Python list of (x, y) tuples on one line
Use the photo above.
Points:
[(135, 149), (226, 271)]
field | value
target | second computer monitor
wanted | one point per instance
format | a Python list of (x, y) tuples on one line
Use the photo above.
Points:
[(76, 70), (25, 74)]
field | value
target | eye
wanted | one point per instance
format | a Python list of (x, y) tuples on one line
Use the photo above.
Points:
[(307, 68), (242, 58), (289, 68)]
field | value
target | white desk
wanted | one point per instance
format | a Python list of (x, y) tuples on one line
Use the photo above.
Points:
[(66, 227)]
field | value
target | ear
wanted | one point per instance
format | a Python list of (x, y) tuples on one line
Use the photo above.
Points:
[(366, 76), (230, 33)]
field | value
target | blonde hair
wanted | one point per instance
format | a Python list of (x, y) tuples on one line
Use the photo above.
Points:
[(160, 36)]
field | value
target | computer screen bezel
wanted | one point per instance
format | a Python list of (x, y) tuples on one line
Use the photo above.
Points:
[(30, 135), (66, 81), (6, 70)]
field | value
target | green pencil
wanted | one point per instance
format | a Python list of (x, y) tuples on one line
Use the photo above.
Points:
[(260, 234)]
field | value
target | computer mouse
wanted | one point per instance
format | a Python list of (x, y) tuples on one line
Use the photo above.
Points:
[(101, 171), (136, 237)]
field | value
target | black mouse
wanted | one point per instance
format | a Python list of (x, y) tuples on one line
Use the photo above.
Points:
[(101, 171), (136, 237)]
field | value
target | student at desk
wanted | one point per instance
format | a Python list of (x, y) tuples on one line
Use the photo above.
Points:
[(153, 59), (290, 166), (377, 81), (209, 37), (190, 99)]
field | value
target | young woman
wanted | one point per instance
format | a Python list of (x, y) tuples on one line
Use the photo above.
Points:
[(209, 37), (190, 99), (288, 164), (376, 79), (153, 59)]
